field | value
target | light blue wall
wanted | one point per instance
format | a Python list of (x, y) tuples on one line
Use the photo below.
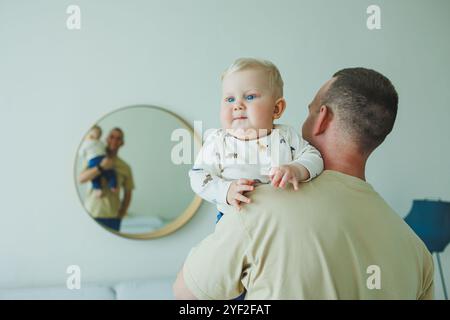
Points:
[(55, 83)]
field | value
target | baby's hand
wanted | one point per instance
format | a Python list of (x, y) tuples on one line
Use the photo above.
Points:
[(280, 176), (235, 193), (107, 163)]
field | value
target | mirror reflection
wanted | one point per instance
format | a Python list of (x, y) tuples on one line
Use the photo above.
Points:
[(126, 178)]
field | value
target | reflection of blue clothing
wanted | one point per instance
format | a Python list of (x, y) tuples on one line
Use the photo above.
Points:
[(112, 223), (242, 296), (109, 175)]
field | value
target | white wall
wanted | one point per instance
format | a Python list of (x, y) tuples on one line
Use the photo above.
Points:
[(55, 83)]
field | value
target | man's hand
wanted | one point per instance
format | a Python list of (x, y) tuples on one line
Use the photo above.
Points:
[(235, 195), (281, 176), (125, 204), (122, 213), (90, 173), (107, 163)]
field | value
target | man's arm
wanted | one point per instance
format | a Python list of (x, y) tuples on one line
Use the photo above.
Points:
[(428, 290), (88, 175), (125, 203), (180, 291), (214, 268), (91, 173)]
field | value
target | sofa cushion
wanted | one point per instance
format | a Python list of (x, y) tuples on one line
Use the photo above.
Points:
[(157, 289), (87, 292)]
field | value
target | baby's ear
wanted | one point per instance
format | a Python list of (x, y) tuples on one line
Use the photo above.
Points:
[(280, 106)]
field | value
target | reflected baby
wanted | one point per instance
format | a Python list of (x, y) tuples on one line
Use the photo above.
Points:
[(93, 151)]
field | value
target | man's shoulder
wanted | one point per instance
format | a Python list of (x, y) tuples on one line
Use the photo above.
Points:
[(328, 218), (271, 205), (326, 204), (328, 197), (122, 164)]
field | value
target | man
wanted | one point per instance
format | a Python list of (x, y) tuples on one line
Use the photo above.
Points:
[(334, 238), (109, 210)]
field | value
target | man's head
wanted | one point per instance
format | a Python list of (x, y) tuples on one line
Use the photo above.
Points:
[(252, 97), (358, 105), (115, 139)]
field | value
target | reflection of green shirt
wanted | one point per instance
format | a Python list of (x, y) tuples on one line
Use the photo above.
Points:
[(109, 204)]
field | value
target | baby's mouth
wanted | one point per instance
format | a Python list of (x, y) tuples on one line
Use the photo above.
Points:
[(239, 118)]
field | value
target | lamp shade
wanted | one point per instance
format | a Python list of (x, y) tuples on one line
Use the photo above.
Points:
[(430, 220)]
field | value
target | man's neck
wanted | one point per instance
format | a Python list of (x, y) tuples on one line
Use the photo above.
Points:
[(111, 153), (350, 165)]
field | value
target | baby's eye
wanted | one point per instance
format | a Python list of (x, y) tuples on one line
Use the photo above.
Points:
[(250, 97), (230, 99)]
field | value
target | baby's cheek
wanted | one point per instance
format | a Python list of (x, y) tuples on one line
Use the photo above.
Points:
[(225, 118), (263, 118)]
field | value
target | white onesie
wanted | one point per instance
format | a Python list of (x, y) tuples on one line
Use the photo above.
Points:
[(224, 158), (91, 149)]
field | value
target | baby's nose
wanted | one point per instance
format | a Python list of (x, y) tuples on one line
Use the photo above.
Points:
[(238, 106)]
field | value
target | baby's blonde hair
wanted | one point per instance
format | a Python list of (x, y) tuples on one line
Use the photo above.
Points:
[(95, 132), (273, 74)]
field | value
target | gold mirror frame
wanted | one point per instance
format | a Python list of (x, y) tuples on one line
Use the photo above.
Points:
[(181, 220)]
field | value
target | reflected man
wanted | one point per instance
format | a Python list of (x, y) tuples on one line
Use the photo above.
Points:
[(109, 209)]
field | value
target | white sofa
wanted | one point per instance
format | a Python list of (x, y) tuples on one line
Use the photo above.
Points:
[(159, 289)]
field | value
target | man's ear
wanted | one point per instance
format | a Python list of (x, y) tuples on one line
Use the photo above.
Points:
[(280, 106), (323, 120)]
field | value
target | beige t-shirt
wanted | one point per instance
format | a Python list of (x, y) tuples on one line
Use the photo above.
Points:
[(109, 204), (320, 242)]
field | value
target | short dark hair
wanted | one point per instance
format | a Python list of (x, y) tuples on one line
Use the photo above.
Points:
[(365, 103), (118, 130)]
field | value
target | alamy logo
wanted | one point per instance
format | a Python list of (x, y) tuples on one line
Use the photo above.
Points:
[(374, 20), (181, 152), (374, 280), (73, 281), (73, 21)]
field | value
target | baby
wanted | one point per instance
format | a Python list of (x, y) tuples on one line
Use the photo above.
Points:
[(250, 149), (94, 151)]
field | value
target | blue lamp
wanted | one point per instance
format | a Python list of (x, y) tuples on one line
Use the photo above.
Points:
[(430, 220)]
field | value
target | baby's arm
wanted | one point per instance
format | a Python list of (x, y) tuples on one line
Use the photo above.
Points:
[(207, 182), (309, 160), (306, 165), (205, 176)]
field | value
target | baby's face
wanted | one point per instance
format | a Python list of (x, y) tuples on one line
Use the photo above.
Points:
[(248, 103), (94, 134)]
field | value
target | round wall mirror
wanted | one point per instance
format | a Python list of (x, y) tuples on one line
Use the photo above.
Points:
[(126, 176)]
